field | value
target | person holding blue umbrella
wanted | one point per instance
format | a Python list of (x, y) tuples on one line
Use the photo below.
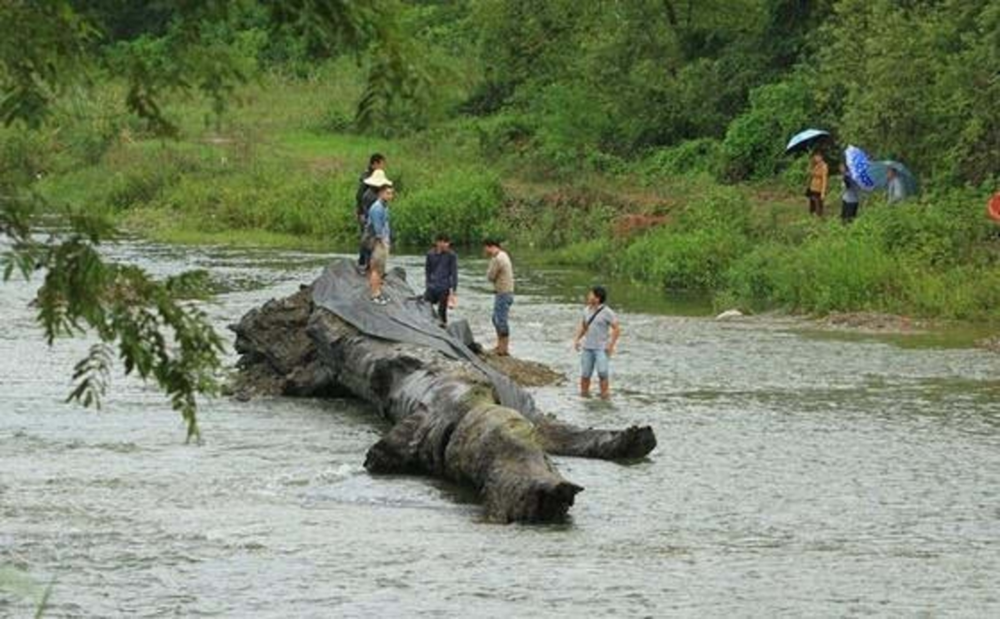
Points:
[(851, 197), (894, 190)]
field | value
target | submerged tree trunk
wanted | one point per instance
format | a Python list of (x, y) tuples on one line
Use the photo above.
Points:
[(445, 411)]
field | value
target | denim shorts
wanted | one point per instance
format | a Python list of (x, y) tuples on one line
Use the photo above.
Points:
[(501, 310), (590, 358)]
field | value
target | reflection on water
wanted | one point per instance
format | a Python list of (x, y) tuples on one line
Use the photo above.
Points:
[(795, 475)]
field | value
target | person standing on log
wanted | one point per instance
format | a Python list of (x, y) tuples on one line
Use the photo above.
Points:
[(598, 332), (441, 276), (363, 200), (378, 230), (501, 274)]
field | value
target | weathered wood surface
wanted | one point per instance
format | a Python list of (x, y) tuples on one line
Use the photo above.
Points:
[(447, 422)]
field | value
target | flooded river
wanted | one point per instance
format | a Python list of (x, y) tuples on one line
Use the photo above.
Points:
[(797, 474)]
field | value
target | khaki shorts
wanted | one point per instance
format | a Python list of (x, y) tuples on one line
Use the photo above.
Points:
[(380, 255)]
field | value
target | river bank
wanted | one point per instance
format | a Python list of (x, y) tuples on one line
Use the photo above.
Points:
[(278, 174)]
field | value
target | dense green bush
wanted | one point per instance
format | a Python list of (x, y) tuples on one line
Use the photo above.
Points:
[(836, 270), (683, 260), (268, 198), (699, 156), (931, 258), (23, 156), (916, 82), (755, 141), (697, 250), (594, 254), (464, 206), (138, 177), (503, 135)]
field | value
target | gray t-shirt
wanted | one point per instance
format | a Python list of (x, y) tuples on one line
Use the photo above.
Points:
[(600, 329)]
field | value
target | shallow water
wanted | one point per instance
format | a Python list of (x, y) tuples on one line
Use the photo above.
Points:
[(795, 475)]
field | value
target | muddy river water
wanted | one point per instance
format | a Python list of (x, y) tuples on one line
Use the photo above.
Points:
[(797, 474)]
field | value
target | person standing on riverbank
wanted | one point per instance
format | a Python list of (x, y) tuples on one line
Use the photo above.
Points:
[(851, 197), (441, 276), (365, 196), (378, 230), (596, 339), (501, 274), (819, 177), (895, 191)]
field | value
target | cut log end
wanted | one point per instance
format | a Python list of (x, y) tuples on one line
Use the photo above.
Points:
[(541, 503), (562, 439)]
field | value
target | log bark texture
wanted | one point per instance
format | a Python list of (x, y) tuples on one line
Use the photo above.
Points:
[(445, 413)]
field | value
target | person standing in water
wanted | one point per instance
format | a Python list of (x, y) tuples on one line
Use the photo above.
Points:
[(441, 276), (596, 339), (819, 177), (501, 274), (381, 236)]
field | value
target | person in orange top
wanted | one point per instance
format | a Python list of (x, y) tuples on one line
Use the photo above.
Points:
[(819, 177)]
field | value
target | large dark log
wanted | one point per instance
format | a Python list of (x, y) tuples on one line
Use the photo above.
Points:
[(445, 410)]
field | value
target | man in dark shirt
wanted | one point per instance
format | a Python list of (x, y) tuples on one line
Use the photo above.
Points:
[(441, 276), (363, 200)]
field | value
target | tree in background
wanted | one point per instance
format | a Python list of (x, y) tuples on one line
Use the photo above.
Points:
[(47, 48)]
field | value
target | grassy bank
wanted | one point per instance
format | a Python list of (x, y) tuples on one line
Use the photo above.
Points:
[(281, 170)]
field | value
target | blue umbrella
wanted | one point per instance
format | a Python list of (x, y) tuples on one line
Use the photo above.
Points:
[(804, 138), (879, 173), (859, 165)]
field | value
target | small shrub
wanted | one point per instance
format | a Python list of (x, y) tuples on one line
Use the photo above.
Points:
[(701, 156), (683, 260), (591, 254)]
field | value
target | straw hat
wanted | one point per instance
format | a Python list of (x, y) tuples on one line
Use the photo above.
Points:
[(378, 179)]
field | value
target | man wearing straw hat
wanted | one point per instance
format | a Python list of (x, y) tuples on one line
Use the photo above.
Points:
[(378, 234)]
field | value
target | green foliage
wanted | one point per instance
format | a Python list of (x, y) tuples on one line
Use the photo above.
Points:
[(682, 260), (693, 157), (504, 135), (838, 270), (754, 144), (267, 197), (918, 83), (930, 258), (696, 251), (23, 156), (463, 205), (41, 49), (45, 49), (571, 126), (592, 254)]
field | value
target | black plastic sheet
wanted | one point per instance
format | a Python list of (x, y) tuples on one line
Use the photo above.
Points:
[(343, 290)]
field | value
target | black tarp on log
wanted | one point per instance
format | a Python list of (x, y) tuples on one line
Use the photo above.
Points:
[(343, 290)]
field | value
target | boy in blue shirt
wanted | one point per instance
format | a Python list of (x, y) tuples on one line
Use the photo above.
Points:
[(378, 230)]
